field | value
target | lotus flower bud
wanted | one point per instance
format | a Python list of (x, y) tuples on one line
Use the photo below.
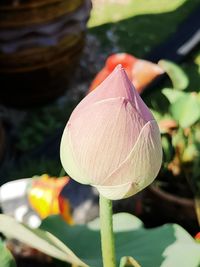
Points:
[(111, 140)]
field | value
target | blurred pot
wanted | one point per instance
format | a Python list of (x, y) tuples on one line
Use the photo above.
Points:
[(166, 207), (40, 45)]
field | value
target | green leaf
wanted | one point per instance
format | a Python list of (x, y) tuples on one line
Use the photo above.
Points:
[(165, 246), (178, 77), (38, 239), (157, 115), (168, 152), (128, 262), (122, 222), (190, 153), (6, 258), (186, 110), (172, 95)]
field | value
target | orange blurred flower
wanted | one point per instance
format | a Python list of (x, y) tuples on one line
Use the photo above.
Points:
[(44, 194), (140, 72)]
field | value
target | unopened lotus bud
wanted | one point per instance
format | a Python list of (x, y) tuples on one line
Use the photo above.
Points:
[(111, 140)]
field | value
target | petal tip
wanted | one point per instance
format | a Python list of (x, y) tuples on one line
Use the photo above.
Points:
[(119, 67)]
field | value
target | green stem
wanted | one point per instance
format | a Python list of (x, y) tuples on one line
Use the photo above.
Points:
[(107, 235)]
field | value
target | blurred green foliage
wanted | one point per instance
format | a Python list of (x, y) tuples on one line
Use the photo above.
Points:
[(30, 167), (6, 258), (40, 123), (136, 26), (180, 128)]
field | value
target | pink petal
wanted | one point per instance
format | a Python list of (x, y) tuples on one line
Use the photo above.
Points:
[(117, 84), (103, 136), (140, 168)]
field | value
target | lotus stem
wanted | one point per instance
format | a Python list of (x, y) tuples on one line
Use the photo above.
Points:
[(107, 235)]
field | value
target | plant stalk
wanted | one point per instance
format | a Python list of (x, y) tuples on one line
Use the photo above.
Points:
[(107, 235)]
